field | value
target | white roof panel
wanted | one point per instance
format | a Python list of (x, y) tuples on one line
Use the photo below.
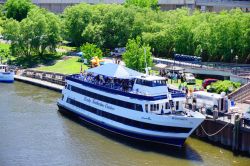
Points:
[(114, 70)]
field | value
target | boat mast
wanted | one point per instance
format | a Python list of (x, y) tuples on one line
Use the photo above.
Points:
[(146, 65)]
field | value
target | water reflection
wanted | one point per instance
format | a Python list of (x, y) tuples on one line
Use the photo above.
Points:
[(185, 152)]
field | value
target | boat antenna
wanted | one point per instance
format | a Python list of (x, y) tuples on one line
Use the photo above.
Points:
[(146, 65)]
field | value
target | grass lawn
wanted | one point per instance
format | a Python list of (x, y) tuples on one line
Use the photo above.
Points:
[(198, 84), (69, 66), (68, 48)]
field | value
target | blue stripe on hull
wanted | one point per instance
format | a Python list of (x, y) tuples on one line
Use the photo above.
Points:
[(7, 81), (161, 140)]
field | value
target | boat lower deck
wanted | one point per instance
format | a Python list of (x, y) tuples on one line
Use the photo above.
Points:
[(142, 137)]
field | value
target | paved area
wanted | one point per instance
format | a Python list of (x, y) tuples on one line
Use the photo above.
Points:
[(41, 83), (242, 107)]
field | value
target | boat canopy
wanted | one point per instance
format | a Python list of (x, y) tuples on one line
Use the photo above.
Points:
[(115, 70)]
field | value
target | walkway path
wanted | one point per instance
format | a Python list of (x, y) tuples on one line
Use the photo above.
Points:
[(41, 83)]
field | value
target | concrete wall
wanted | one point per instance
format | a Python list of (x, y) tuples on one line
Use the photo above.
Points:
[(242, 80), (59, 5), (205, 5), (218, 5)]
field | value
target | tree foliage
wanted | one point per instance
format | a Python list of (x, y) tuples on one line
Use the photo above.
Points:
[(76, 19), (143, 3), (35, 35), (137, 55), (224, 86), (210, 35), (4, 54), (17, 9), (91, 50)]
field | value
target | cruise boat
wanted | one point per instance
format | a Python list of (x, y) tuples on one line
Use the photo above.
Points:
[(131, 104), (5, 74)]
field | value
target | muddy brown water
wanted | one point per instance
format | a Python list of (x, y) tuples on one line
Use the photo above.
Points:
[(34, 133)]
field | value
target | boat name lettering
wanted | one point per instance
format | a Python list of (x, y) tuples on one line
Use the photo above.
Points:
[(96, 102), (147, 118)]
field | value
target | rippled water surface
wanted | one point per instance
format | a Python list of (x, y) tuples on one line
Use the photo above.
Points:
[(34, 133)]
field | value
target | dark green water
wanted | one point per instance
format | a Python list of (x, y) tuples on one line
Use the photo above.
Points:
[(34, 133)]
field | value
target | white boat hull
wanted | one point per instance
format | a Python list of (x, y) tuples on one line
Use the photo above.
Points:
[(179, 128)]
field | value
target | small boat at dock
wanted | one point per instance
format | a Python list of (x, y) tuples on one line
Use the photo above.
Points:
[(6, 75)]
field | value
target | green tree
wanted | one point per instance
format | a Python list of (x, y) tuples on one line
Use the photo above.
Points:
[(36, 35), (11, 32), (94, 34), (224, 86), (91, 50), (76, 19), (4, 54), (162, 41), (17, 9), (210, 35), (143, 3), (137, 54), (116, 26)]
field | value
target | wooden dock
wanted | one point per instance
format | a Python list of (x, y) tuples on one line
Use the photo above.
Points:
[(234, 135), (40, 83)]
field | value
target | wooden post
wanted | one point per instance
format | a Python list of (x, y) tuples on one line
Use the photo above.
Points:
[(236, 133)]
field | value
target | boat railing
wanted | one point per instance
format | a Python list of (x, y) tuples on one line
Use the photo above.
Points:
[(115, 89), (176, 93), (119, 84), (116, 84)]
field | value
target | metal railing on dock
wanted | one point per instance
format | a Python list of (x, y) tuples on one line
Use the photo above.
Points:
[(56, 78)]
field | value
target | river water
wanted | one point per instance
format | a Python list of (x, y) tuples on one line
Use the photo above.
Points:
[(34, 133)]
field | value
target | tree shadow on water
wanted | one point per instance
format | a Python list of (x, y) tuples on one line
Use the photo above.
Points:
[(186, 152)]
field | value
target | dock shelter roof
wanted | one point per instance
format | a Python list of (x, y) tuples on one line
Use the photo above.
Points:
[(160, 65), (115, 70), (175, 68)]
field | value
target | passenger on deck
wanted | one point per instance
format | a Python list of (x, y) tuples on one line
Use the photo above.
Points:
[(162, 111), (112, 83)]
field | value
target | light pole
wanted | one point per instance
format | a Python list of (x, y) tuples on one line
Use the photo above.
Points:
[(201, 56), (232, 56), (173, 65), (236, 58)]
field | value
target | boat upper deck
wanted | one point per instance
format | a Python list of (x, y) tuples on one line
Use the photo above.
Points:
[(119, 86)]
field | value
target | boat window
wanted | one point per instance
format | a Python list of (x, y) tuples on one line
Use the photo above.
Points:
[(151, 83), (157, 106), (167, 105), (177, 105), (151, 107), (146, 108)]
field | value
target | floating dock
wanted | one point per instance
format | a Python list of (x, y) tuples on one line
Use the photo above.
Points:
[(40, 83)]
